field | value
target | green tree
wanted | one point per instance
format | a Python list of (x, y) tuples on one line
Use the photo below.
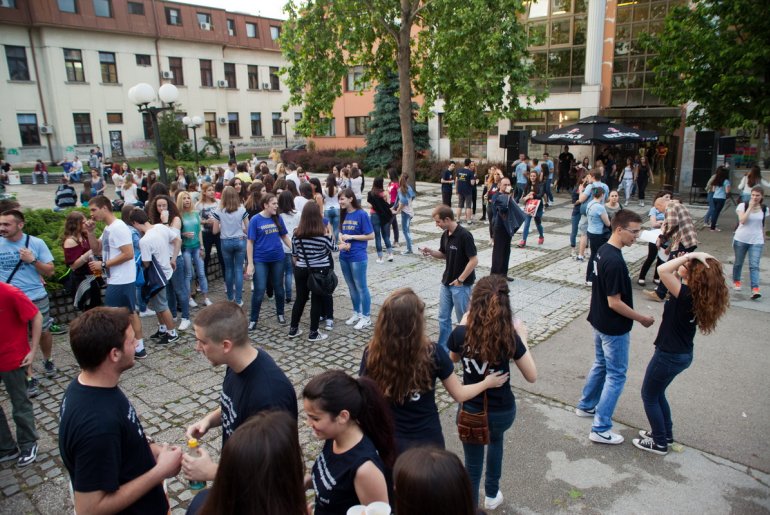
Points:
[(471, 53), (172, 133), (716, 54), (383, 139)]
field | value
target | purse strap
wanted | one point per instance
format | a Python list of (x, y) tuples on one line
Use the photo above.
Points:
[(18, 263)]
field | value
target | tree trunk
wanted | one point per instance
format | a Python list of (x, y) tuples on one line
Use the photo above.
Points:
[(405, 91)]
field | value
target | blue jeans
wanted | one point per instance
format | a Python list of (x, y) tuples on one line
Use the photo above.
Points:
[(194, 262), (333, 214), (538, 217), (606, 379), (499, 422), (710, 212), (406, 222), (519, 191), (719, 203), (355, 277), (233, 256), (381, 232), (662, 369), (178, 290), (574, 230), (755, 252), (457, 297), (263, 272), (288, 274), (140, 303), (548, 190)]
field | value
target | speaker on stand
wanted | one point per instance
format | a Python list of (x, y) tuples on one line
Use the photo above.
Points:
[(517, 143), (704, 161)]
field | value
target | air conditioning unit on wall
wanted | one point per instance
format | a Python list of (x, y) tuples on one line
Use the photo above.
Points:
[(265, 85), (205, 26), (222, 120), (46, 129), (222, 84), (167, 75)]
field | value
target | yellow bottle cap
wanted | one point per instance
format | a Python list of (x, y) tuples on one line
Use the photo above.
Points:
[(192, 443)]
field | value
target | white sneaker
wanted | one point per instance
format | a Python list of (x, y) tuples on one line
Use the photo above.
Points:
[(379, 260), (353, 319), (607, 437), (390, 257), (363, 322), (641, 203), (184, 325), (208, 302), (147, 313), (192, 303), (490, 503)]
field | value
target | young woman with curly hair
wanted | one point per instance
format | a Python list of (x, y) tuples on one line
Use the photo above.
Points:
[(405, 365), (698, 299), (486, 340)]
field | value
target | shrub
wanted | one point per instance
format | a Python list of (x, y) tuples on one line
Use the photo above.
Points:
[(321, 161)]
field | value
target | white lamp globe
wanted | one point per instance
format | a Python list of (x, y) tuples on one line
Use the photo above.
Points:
[(197, 121), (168, 93), (142, 93), (187, 121)]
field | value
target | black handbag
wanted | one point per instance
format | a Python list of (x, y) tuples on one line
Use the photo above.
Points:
[(320, 281)]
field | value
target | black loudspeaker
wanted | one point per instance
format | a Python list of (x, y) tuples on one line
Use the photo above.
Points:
[(705, 158), (518, 143), (503, 140), (727, 145)]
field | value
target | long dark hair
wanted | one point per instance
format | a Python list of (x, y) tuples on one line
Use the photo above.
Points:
[(378, 185), (754, 176), (154, 214), (331, 185), (490, 333), (266, 198), (721, 176), (348, 194), (311, 223), (157, 188), (286, 203), (334, 391), (261, 469)]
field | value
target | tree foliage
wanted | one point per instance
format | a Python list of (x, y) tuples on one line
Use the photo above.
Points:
[(715, 53), (472, 54), (172, 133), (384, 144)]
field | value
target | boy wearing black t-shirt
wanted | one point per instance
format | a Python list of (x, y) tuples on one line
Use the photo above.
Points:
[(447, 183), (611, 315), (113, 467), (253, 382)]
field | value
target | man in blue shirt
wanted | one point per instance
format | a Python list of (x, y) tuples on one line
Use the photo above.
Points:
[(522, 172)]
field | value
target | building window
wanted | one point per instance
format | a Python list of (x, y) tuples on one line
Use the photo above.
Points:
[(207, 76), (175, 67), (68, 6), (297, 117), (357, 125), (327, 127), (275, 32), (253, 75), (83, 135), (230, 75), (11, 4), (353, 81), (17, 62), (103, 8), (109, 67), (256, 124), (173, 16), (136, 8), (204, 21), (210, 124), (233, 126), (143, 60), (251, 30), (277, 127), (73, 63), (275, 83), (231, 27), (115, 118), (28, 129), (474, 147)]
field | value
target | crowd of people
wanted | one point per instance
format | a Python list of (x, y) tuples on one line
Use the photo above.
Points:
[(149, 254)]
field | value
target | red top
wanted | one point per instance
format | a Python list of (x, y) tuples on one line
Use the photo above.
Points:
[(16, 310), (73, 253)]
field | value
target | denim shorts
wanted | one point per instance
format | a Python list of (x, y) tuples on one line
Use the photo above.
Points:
[(121, 296)]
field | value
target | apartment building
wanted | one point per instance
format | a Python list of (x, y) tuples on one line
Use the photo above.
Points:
[(69, 64)]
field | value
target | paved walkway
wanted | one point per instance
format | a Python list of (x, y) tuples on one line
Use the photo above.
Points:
[(550, 465)]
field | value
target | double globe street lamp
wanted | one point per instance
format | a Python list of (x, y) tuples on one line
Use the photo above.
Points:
[(193, 123), (141, 95)]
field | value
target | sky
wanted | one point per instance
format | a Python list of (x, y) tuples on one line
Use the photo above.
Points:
[(267, 8)]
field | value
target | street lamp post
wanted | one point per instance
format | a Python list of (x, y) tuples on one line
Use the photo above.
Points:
[(285, 122), (193, 123), (141, 95)]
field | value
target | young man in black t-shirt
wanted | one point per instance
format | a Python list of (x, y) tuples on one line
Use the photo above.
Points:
[(611, 315), (459, 250), (253, 382), (447, 183), (113, 467)]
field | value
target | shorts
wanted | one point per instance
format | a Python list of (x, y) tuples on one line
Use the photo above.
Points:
[(44, 306), (466, 200), (159, 302), (121, 296), (582, 225)]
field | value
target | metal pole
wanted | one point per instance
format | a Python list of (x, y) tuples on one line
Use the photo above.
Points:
[(195, 142), (161, 164)]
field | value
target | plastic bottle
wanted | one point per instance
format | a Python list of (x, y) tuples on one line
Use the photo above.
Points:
[(192, 445)]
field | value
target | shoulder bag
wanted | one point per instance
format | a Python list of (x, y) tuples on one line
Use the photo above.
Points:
[(473, 428), (320, 281)]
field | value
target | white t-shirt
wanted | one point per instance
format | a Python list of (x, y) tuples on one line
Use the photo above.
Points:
[(291, 221), (229, 174), (299, 204), (293, 177), (155, 243), (129, 195), (118, 180), (356, 185), (752, 231), (115, 236)]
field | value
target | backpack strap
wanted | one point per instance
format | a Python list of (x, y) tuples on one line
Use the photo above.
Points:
[(18, 263)]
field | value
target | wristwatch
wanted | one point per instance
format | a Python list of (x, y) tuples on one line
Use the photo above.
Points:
[(33, 262)]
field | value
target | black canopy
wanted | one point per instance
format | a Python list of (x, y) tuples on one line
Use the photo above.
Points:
[(595, 129)]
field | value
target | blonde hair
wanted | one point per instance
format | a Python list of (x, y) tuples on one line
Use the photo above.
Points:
[(230, 201), (180, 198)]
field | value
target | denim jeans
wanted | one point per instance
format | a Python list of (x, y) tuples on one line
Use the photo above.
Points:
[(719, 203), (355, 277), (393, 224), (406, 223), (710, 212), (457, 297), (499, 422), (662, 369), (141, 305), (538, 224), (178, 290), (272, 271), (574, 230), (333, 214), (22, 411), (548, 190), (519, 191), (288, 275), (193, 262), (606, 379), (381, 232), (755, 252), (233, 256)]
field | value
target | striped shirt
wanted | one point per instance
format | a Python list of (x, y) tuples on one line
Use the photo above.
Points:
[(314, 252)]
